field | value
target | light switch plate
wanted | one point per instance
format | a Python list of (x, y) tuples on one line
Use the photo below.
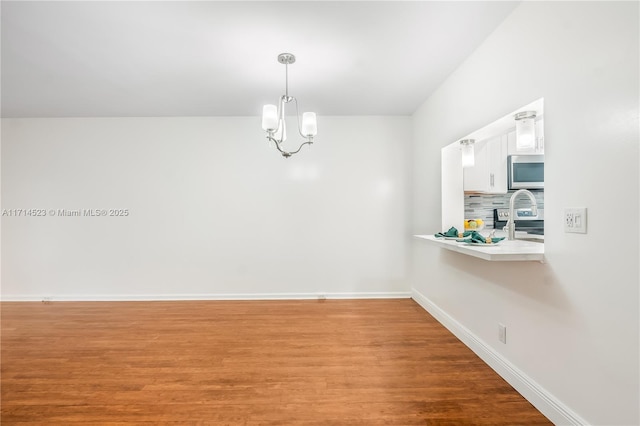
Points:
[(575, 220)]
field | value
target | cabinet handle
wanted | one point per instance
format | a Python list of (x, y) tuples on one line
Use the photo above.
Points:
[(491, 180)]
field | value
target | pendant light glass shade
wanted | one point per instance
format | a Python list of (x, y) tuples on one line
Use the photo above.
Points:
[(525, 130), (468, 154)]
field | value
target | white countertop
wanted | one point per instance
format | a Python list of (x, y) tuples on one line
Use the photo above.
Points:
[(505, 250)]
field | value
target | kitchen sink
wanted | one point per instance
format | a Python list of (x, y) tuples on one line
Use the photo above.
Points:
[(532, 239)]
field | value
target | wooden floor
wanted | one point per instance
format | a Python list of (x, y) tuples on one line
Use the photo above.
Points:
[(338, 362)]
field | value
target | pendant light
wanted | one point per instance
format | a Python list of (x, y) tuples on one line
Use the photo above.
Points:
[(468, 155), (525, 130)]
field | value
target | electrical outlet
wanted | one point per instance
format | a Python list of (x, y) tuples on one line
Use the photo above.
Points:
[(502, 333), (568, 220), (575, 220)]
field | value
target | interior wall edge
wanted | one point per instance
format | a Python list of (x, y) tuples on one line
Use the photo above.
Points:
[(545, 402)]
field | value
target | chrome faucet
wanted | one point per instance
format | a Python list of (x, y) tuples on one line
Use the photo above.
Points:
[(511, 223)]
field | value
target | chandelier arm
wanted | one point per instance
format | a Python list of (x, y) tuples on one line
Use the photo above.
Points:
[(309, 142), (283, 101), (288, 154), (277, 143), (298, 119)]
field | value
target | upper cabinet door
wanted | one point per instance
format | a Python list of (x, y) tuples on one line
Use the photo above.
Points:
[(489, 174), (540, 136), (538, 147)]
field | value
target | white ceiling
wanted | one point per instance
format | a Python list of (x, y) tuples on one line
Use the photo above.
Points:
[(206, 58)]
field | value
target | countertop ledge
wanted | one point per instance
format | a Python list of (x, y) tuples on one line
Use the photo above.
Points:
[(506, 250)]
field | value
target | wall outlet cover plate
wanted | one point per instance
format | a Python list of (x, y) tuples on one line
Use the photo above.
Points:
[(575, 220)]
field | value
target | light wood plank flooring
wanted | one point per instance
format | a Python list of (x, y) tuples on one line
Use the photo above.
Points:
[(338, 362)]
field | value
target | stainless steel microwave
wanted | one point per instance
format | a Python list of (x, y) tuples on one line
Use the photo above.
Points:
[(525, 171)]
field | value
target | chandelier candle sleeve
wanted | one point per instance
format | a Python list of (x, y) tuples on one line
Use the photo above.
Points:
[(269, 118), (309, 124)]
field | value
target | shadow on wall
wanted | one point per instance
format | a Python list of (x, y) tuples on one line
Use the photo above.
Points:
[(534, 281)]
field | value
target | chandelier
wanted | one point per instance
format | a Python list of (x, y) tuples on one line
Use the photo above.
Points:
[(273, 118)]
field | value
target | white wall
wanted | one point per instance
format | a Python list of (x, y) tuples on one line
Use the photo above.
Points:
[(572, 323), (214, 212)]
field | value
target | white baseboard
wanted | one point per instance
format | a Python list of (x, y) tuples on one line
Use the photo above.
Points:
[(240, 296), (540, 398)]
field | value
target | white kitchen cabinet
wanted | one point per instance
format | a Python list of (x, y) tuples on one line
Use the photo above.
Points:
[(489, 174), (538, 147)]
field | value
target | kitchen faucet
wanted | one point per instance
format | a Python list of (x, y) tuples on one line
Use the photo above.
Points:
[(511, 223)]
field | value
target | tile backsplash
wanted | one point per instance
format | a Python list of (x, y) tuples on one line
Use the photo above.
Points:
[(482, 205)]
